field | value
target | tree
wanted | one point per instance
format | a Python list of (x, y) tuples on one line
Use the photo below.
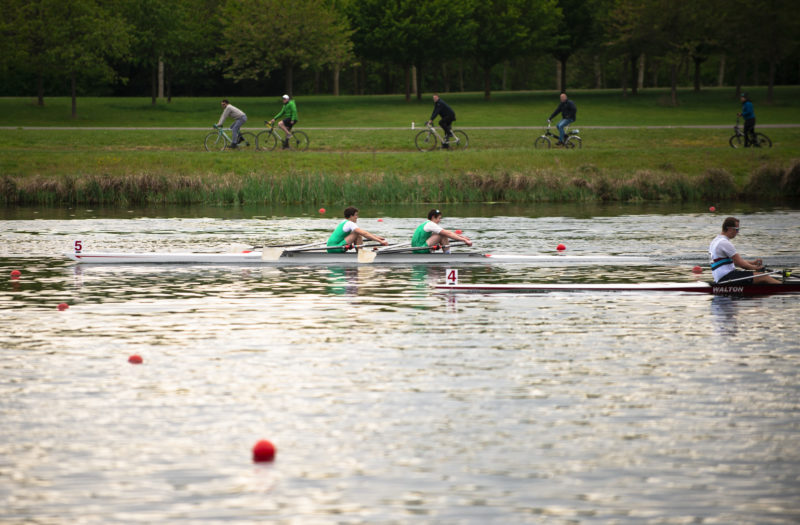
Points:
[(264, 35), (510, 28), (86, 38), (578, 27)]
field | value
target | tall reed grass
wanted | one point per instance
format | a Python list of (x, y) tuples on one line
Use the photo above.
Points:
[(589, 184)]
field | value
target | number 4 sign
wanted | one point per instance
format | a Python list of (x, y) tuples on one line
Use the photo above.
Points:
[(451, 277)]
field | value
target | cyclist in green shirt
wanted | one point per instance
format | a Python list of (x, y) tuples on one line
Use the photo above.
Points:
[(289, 114)]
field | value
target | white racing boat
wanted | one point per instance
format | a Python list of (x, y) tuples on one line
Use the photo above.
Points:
[(316, 254), (289, 258)]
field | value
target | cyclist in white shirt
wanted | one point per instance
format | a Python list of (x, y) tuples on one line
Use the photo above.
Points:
[(229, 110), (724, 259)]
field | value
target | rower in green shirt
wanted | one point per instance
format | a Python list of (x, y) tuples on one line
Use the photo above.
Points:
[(348, 232), (289, 114), (429, 233)]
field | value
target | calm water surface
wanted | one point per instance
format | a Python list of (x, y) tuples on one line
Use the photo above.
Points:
[(389, 402)]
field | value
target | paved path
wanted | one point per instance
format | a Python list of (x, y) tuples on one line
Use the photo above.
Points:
[(110, 128)]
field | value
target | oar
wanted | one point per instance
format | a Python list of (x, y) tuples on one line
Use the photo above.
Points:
[(767, 272), (368, 256), (273, 253)]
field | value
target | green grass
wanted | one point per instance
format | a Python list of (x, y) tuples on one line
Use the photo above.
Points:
[(382, 165)]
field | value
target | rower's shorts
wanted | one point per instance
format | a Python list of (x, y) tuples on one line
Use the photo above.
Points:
[(738, 274)]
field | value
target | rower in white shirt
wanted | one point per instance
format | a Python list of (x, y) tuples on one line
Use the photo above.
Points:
[(429, 234), (724, 259)]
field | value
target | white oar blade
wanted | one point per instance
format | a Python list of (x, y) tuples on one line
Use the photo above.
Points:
[(366, 256), (271, 254)]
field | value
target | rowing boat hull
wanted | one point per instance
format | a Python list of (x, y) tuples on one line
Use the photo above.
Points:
[(695, 287), (348, 259)]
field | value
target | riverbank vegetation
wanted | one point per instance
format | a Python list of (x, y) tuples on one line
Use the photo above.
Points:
[(362, 151)]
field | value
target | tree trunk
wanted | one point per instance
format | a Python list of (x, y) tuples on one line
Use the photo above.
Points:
[(461, 75), (153, 84), (418, 84), (559, 84), (624, 76), (634, 74), (563, 79), (40, 89), (408, 83), (487, 83), (598, 73), (697, 63), (674, 84), (771, 79), (74, 92), (721, 74), (337, 69), (161, 78), (740, 73), (640, 80), (289, 79)]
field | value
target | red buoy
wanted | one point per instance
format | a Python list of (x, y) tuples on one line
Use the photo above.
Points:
[(697, 269), (135, 359), (712, 209), (561, 247), (62, 306), (380, 220), (322, 210), (458, 232), (263, 451), (15, 274)]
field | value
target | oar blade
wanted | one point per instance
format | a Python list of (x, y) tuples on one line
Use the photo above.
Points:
[(366, 256), (271, 254)]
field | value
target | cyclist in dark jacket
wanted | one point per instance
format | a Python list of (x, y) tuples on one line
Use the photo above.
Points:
[(448, 116), (569, 113), (749, 116)]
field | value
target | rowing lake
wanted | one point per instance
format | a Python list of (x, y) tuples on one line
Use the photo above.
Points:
[(389, 402)]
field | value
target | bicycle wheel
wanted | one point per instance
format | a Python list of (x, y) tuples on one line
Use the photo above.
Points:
[(542, 143), (762, 141), (215, 141), (426, 140), (737, 141), (573, 142), (266, 141), (249, 142), (460, 142), (299, 141)]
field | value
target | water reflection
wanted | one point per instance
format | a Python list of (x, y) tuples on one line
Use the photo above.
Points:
[(724, 315)]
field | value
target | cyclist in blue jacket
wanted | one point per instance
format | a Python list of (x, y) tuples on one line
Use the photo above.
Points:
[(749, 117)]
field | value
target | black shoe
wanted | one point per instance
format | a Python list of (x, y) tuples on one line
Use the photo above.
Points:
[(233, 146), (445, 146), (559, 143), (285, 144)]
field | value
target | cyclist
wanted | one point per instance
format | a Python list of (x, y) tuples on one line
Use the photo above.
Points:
[(448, 116), (749, 117), (289, 114), (229, 110), (569, 113)]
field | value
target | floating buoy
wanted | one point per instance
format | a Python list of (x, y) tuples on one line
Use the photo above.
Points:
[(135, 359), (322, 210), (458, 232), (15, 274), (712, 209), (561, 247), (263, 451), (697, 269), (62, 306), (380, 220)]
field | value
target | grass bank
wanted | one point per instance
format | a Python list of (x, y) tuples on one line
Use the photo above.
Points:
[(163, 166)]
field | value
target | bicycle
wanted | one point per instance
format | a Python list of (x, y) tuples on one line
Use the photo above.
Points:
[(737, 140), (429, 139), (268, 139), (218, 140), (571, 140)]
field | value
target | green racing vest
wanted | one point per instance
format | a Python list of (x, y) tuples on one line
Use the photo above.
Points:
[(420, 238), (337, 238)]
